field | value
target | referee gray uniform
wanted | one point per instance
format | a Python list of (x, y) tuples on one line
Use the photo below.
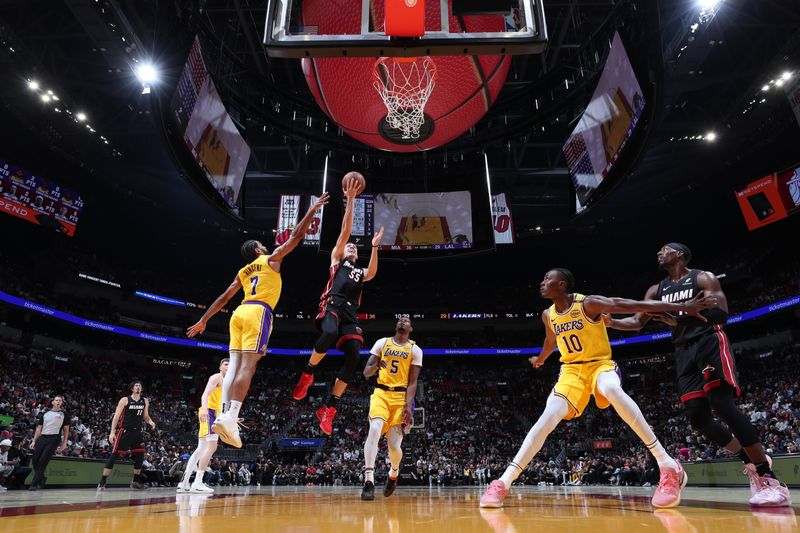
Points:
[(52, 423)]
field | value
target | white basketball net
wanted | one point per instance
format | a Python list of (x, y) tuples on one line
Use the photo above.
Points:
[(404, 85)]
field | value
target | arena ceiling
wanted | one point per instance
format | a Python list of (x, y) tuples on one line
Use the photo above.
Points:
[(703, 81)]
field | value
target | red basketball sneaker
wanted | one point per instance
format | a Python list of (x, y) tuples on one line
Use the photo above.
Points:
[(301, 389), (326, 416)]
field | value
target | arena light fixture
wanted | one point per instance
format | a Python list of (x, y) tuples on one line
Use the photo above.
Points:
[(765, 87), (33, 85), (786, 76), (80, 116), (146, 73), (45, 98), (711, 136), (708, 4)]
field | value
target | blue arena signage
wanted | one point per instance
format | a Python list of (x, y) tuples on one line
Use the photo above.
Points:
[(119, 330)]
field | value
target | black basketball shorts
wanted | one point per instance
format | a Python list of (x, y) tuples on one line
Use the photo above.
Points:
[(704, 364)]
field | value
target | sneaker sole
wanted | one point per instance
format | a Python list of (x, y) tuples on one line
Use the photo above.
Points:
[(219, 429), (677, 502), (491, 505)]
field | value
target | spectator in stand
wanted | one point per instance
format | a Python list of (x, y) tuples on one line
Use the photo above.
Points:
[(244, 474), (12, 470)]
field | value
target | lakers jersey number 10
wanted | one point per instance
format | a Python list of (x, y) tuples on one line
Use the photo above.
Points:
[(580, 339)]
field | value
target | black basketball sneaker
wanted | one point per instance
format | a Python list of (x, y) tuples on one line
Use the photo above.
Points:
[(368, 492)]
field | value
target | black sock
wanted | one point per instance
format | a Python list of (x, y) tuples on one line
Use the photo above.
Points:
[(333, 401), (763, 469), (310, 369), (744, 457), (103, 481)]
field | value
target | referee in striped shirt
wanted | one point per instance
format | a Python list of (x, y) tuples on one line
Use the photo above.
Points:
[(52, 435)]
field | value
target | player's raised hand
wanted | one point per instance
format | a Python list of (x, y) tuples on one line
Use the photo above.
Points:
[(376, 240), (697, 304), (197, 329), (536, 361), (350, 189), (322, 200)]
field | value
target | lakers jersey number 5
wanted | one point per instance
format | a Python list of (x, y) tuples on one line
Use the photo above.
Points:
[(398, 359), (580, 339)]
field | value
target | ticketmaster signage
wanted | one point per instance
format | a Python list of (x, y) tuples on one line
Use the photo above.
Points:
[(69, 472), (54, 313), (301, 443), (730, 473)]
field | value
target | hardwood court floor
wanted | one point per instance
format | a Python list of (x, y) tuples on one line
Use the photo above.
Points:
[(409, 510)]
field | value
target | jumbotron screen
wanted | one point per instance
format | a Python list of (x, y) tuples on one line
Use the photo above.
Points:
[(606, 125), (38, 200), (424, 221), (208, 131)]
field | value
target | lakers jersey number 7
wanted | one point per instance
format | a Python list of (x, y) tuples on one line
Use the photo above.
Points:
[(580, 338), (260, 282)]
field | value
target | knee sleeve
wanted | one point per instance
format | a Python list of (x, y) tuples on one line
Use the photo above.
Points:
[(721, 400), (351, 349), (330, 334), (138, 460), (698, 410), (111, 460)]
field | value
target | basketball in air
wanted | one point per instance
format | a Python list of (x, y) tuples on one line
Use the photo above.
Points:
[(358, 177)]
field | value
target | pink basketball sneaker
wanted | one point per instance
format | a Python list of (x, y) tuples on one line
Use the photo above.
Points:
[(495, 494), (767, 491), (668, 493)]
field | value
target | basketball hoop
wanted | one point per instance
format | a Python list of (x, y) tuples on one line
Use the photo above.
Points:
[(405, 84)]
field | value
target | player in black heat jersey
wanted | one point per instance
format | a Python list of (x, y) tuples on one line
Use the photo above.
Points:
[(126, 434), (706, 372), (337, 320)]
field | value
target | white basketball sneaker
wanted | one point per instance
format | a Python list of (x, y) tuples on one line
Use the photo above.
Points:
[(227, 428), (201, 488)]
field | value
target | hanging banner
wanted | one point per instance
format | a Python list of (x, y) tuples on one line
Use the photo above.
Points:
[(315, 229), (761, 203), (288, 214), (793, 94), (501, 220), (789, 188)]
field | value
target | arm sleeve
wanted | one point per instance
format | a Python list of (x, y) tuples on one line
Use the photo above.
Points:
[(416, 355), (378, 346)]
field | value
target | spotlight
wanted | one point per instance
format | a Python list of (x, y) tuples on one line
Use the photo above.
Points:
[(765, 88), (711, 136), (146, 73), (708, 4), (45, 98), (779, 83), (33, 85), (538, 228), (81, 116), (786, 75)]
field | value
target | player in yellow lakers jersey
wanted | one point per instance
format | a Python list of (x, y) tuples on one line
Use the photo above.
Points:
[(210, 408), (251, 323), (398, 361), (574, 324)]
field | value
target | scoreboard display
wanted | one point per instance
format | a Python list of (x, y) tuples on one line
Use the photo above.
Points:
[(38, 200)]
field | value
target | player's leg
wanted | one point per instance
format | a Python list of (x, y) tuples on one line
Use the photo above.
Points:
[(555, 410), (328, 326), (351, 347), (205, 457), (138, 460), (191, 465), (395, 442), (371, 451), (227, 381), (673, 478)]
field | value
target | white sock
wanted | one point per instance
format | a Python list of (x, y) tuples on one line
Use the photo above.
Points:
[(191, 464), (395, 439), (371, 448), (608, 384), (233, 410), (228, 380), (555, 410)]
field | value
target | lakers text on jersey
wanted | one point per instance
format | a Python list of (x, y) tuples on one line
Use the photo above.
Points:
[(389, 398)]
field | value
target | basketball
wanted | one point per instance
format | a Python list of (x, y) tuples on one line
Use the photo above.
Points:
[(466, 86), (357, 176)]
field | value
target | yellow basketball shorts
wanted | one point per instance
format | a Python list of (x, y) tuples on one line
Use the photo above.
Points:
[(578, 381), (388, 406), (205, 427), (251, 325)]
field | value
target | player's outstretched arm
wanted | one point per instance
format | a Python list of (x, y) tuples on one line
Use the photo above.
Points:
[(594, 306), (372, 268), (350, 191), (637, 321), (549, 342), (214, 308), (299, 231)]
